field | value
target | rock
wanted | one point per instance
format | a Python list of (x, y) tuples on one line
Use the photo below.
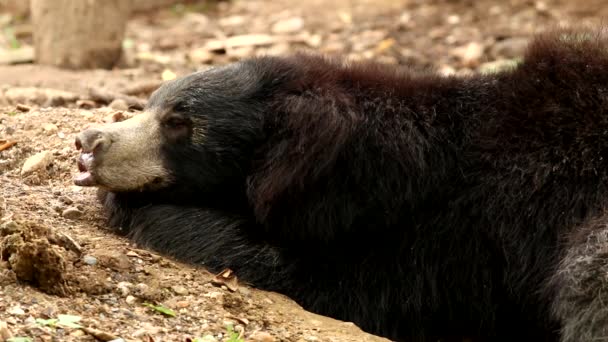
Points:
[(89, 260), (71, 213), (124, 287), (16, 310), (180, 290), (130, 299), (235, 20), (182, 304), (200, 56), (261, 336), (37, 162), (470, 54), (113, 259), (119, 104), (50, 128), (290, 25)]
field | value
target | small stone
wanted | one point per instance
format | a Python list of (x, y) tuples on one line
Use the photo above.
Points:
[(130, 299), (9, 130), (168, 75), (208, 338), (37, 162), (89, 260), (16, 310), (87, 114), (470, 54), (290, 25), (113, 259), (50, 128), (77, 333), (119, 104), (142, 287), (200, 56), (261, 336), (182, 304), (71, 213), (179, 290), (124, 287)]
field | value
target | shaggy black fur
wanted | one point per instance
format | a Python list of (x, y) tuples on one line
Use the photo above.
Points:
[(416, 206)]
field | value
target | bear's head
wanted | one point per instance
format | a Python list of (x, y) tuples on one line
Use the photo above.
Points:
[(196, 133)]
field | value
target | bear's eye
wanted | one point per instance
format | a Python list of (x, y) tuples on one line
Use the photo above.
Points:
[(175, 123), (176, 127)]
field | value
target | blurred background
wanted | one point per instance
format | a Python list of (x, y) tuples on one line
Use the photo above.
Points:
[(166, 38)]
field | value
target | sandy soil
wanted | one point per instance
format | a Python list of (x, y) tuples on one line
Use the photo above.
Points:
[(56, 256)]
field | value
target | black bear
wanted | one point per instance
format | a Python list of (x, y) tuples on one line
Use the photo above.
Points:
[(419, 207)]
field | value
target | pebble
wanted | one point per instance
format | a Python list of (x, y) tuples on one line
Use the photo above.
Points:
[(50, 128), (89, 260), (16, 310), (289, 25), (261, 336), (182, 304), (179, 290), (71, 213), (470, 54), (130, 299), (124, 287), (200, 56), (37, 162), (119, 104), (113, 259)]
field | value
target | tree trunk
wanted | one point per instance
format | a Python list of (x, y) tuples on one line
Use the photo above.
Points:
[(79, 34)]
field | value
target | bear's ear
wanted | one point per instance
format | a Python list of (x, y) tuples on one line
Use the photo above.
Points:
[(306, 136)]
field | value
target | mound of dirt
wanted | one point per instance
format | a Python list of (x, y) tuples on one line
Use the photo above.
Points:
[(35, 256), (49, 261)]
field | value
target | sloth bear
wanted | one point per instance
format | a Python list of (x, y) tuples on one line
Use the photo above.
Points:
[(420, 207)]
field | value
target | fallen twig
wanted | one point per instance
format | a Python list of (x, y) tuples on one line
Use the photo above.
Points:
[(6, 145), (106, 96), (23, 108), (98, 334)]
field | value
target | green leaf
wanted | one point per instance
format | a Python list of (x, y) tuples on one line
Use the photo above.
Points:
[(47, 322), (19, 339), (69, 321), (161, 309), (234, 336)]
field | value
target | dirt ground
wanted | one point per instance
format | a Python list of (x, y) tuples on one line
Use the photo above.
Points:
[(64, 277)]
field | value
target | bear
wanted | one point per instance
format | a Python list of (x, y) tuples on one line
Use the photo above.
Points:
[(419, 206)]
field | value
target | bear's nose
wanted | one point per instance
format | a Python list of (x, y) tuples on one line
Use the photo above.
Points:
[(92, 140)]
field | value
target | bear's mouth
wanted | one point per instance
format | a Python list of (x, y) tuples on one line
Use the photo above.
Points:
[(85, 177)]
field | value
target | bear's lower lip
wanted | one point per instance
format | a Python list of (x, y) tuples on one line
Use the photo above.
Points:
[(85, 179)]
